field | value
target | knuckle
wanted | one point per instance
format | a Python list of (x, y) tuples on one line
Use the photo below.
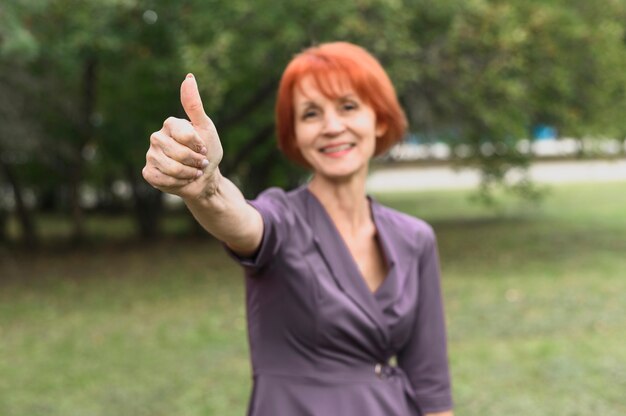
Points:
[(182, 132), (150, 158), (182, 136), (149, 176), (197, 162), (187, 134), (171, 182), (169, 121), (191, 136), (185, 158), (154, 139), (195, 105), (178, 171)]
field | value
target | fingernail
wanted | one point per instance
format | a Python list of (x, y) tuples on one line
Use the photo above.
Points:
[(203, 150), (205, 163), (190, 75), (199, 173)]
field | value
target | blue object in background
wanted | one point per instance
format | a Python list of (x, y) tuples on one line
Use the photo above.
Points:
[(544, 132)]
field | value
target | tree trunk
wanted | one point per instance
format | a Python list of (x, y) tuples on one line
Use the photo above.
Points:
[(147, 206), (24, 215), (88, 105), (3, 226), (76, 210)]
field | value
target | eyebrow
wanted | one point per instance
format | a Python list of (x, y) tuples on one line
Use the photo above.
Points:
[(307, 104), (349, 96)]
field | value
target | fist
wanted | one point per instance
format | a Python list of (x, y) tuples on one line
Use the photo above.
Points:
[(184, 155)]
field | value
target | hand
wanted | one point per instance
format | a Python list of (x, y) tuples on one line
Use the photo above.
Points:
[(184, 155)]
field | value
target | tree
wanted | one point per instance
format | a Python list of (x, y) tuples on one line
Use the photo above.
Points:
[(476, 73), (82, 68), (491, 70)]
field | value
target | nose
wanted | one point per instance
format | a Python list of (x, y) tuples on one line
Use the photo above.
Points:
[(333, 124)]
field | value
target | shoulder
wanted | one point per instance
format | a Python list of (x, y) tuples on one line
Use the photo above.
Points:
[(279, 195), (414, 233), (275, 202), (404, 221), (273, 194)]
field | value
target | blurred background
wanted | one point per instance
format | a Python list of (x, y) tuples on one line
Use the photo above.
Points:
[(112, 300)]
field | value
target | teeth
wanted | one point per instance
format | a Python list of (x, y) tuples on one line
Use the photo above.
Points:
[(336, 148)]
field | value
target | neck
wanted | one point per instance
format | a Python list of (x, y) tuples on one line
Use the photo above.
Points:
[(345, 201)]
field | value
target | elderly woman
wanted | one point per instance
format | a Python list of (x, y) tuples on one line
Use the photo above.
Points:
[(337, 285)]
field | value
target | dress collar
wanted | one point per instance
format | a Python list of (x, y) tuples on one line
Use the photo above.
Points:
[(342, 265)]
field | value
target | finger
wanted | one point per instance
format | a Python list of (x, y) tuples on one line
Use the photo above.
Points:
[(183, 132), (171, 167), (177, 170), (192, 103), (161, 181), (174, 150)]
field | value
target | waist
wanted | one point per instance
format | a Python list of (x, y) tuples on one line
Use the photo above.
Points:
[(374, 372), (369, 374)]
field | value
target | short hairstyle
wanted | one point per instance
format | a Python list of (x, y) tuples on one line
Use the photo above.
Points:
[(328, 63)]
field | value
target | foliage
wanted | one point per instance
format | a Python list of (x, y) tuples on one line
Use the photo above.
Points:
[(91, 80)]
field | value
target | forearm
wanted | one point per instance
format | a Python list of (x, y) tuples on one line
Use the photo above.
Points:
[(225, 214), (449, 413)]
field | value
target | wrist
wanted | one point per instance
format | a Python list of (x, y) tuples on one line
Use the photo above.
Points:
[(212, 185), (209, 190)]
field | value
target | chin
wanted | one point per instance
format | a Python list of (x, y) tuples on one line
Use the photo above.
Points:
[(339, 169), (343, 173)]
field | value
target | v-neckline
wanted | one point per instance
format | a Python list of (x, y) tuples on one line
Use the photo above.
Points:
[(383, 245)]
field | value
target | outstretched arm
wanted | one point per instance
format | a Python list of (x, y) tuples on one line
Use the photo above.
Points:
[(183, 159)]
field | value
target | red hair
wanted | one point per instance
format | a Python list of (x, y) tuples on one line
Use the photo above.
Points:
[(329, 64)]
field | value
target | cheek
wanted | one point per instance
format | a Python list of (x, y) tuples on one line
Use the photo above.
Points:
[(367, 122), (299, 142), (304, 136), (303, 145), (370, 140), (367, 126)]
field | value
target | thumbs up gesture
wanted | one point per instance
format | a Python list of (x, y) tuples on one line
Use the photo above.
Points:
[(184, 155)]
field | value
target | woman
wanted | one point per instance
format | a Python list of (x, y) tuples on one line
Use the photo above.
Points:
[(336, 284)]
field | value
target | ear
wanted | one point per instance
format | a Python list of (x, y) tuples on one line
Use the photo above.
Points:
[(381, 128)]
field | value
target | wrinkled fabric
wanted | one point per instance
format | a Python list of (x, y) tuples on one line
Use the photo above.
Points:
[(320, 340)]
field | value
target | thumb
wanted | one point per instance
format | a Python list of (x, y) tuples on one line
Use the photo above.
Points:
[(192, 103)]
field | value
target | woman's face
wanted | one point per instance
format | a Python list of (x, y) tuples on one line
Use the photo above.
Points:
[(336, 136)]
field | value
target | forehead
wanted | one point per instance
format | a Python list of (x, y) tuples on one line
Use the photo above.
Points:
[(329, 85)]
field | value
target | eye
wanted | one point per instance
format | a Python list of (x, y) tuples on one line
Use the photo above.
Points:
[(309, 113), (349, 105)]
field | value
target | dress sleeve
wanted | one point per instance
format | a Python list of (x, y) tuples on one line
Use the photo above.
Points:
[(425, 358), (277, 216)]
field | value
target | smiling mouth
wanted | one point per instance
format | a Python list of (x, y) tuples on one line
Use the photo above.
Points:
[(338, 148)]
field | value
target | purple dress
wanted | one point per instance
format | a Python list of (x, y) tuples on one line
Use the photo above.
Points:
[(320, 340)]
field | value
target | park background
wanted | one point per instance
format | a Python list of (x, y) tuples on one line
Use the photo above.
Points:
[(113, 302)]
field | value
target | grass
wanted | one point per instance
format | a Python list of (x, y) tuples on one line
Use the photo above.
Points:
[(535, 298)]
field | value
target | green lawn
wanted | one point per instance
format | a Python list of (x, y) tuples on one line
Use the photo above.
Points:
[(535, 297)]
